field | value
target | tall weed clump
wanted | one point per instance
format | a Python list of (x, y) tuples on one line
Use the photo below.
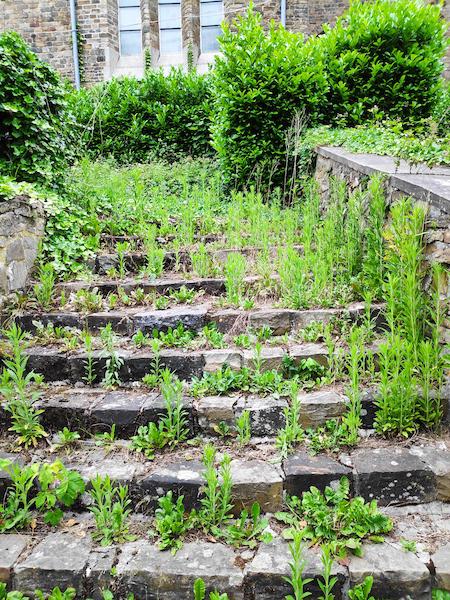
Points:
[(34, 119), (134, 120), (259, 83), (386, 57)]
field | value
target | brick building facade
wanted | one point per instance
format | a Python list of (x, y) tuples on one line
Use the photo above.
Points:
[(118, 36)]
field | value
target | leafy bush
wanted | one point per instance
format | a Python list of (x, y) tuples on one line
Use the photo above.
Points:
[(33, 115), (160, 116), (258, 84), (386, 57)]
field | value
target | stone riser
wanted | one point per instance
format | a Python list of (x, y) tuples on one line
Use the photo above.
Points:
[(67, 559), (391, 476), (55, 365), (128, 321), (92, 410)]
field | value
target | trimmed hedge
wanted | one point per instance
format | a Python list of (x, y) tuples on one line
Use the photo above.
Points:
[(160, 116)]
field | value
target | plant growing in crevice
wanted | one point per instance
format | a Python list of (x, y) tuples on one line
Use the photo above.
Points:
[(114, 362)]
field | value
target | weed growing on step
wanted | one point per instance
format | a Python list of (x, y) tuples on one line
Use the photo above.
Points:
[(114, 362), (213, 337), (172, 428), (200, 592), (107, 438), (373, 268), (297, 568), (153, 378), (44, 290), (171, 522), (19, 389), (202, 262), (292, 432), (58, 489), (110, 507), (66, 439), (326, 586), (234, 271), (243, 428), (362, 590), (248, 529), (331, 517), (50, 334), (88, 301), (121, 249), (216, 503), (184, 295), (90, 375)]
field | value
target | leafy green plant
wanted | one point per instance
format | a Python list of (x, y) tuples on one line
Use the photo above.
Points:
[(18, 389), (110, 507), (297, 568), (292, 433), (216, 502), (45, 288), (90, 375), (328, 583), (333, 518), (243, 428), (66, 438), (215, 338), (171, 522), (106, 438), (362, 590), (113, 361), (234, 270), (248, 529), (121, 249), (200, 592)]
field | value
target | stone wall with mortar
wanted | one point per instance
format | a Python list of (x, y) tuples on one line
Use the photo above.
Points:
[(429, 187), (46, 27), (22, 223)]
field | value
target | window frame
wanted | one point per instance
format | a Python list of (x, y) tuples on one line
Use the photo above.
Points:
[(138, 28), (161, 29), (202, 27)]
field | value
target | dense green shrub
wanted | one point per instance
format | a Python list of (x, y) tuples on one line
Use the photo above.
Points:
[(33, 115), (160, 116), (383, 56), (383, 59), (259, 84)]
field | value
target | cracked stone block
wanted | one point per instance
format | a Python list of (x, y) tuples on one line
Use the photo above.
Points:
[(119, 320), (184, 478), (303, 471), (441, 563), (98, 571), (317, 352), (120, 408), (316, 408), (256, 481), (60, 560), (266, 414), (57, 319), (193, 319), (184, 365), (397, 574), (212, 410), (393, 476), (438, 459), (49, 362), (265, 574), (147, 572), (271, 358), (69, 409), (279, 320), (11, 547), (229, 320), (216, 359)]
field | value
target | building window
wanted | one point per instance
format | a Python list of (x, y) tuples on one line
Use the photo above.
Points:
[(170, 27), (130, 27), (211, 15)]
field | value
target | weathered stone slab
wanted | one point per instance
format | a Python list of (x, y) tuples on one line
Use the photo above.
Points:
[(303, 471), (266, 413), (69, 409), (120, 321), (316, 408), (149, 573), (193, 319), (11, 547), (393, 476), (437, 457), (229, 319), (271, 358), (279, 320), (98, 571), (26, 322), (264, 575), (213, 410), (216, 359), (49, 362), (256, 481), (302, 318), (317, 352), (60, 560), (121, 409), (183, 478), (396, 573), (441, 563)]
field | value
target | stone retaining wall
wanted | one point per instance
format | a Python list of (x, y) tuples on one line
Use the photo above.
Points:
[(428, 186), (22, 223)]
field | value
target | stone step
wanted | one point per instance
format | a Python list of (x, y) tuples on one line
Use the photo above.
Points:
[(129, 320), (91, 410), (58, 365), (68, 557), (392, 475)]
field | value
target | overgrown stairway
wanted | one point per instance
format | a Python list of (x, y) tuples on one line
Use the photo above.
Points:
[(96, 385)]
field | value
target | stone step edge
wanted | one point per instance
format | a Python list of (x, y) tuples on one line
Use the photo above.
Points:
[(92, 410), (63, 559), (129, 321), (390, 475), (56, 365)]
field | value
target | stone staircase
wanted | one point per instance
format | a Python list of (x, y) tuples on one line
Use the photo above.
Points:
[(411, 479)]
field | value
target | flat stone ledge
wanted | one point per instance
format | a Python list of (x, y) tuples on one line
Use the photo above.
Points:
[(441, 563), (11, 547)]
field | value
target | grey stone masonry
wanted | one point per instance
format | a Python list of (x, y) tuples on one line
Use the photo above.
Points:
[(22, 223), (427, 186)]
